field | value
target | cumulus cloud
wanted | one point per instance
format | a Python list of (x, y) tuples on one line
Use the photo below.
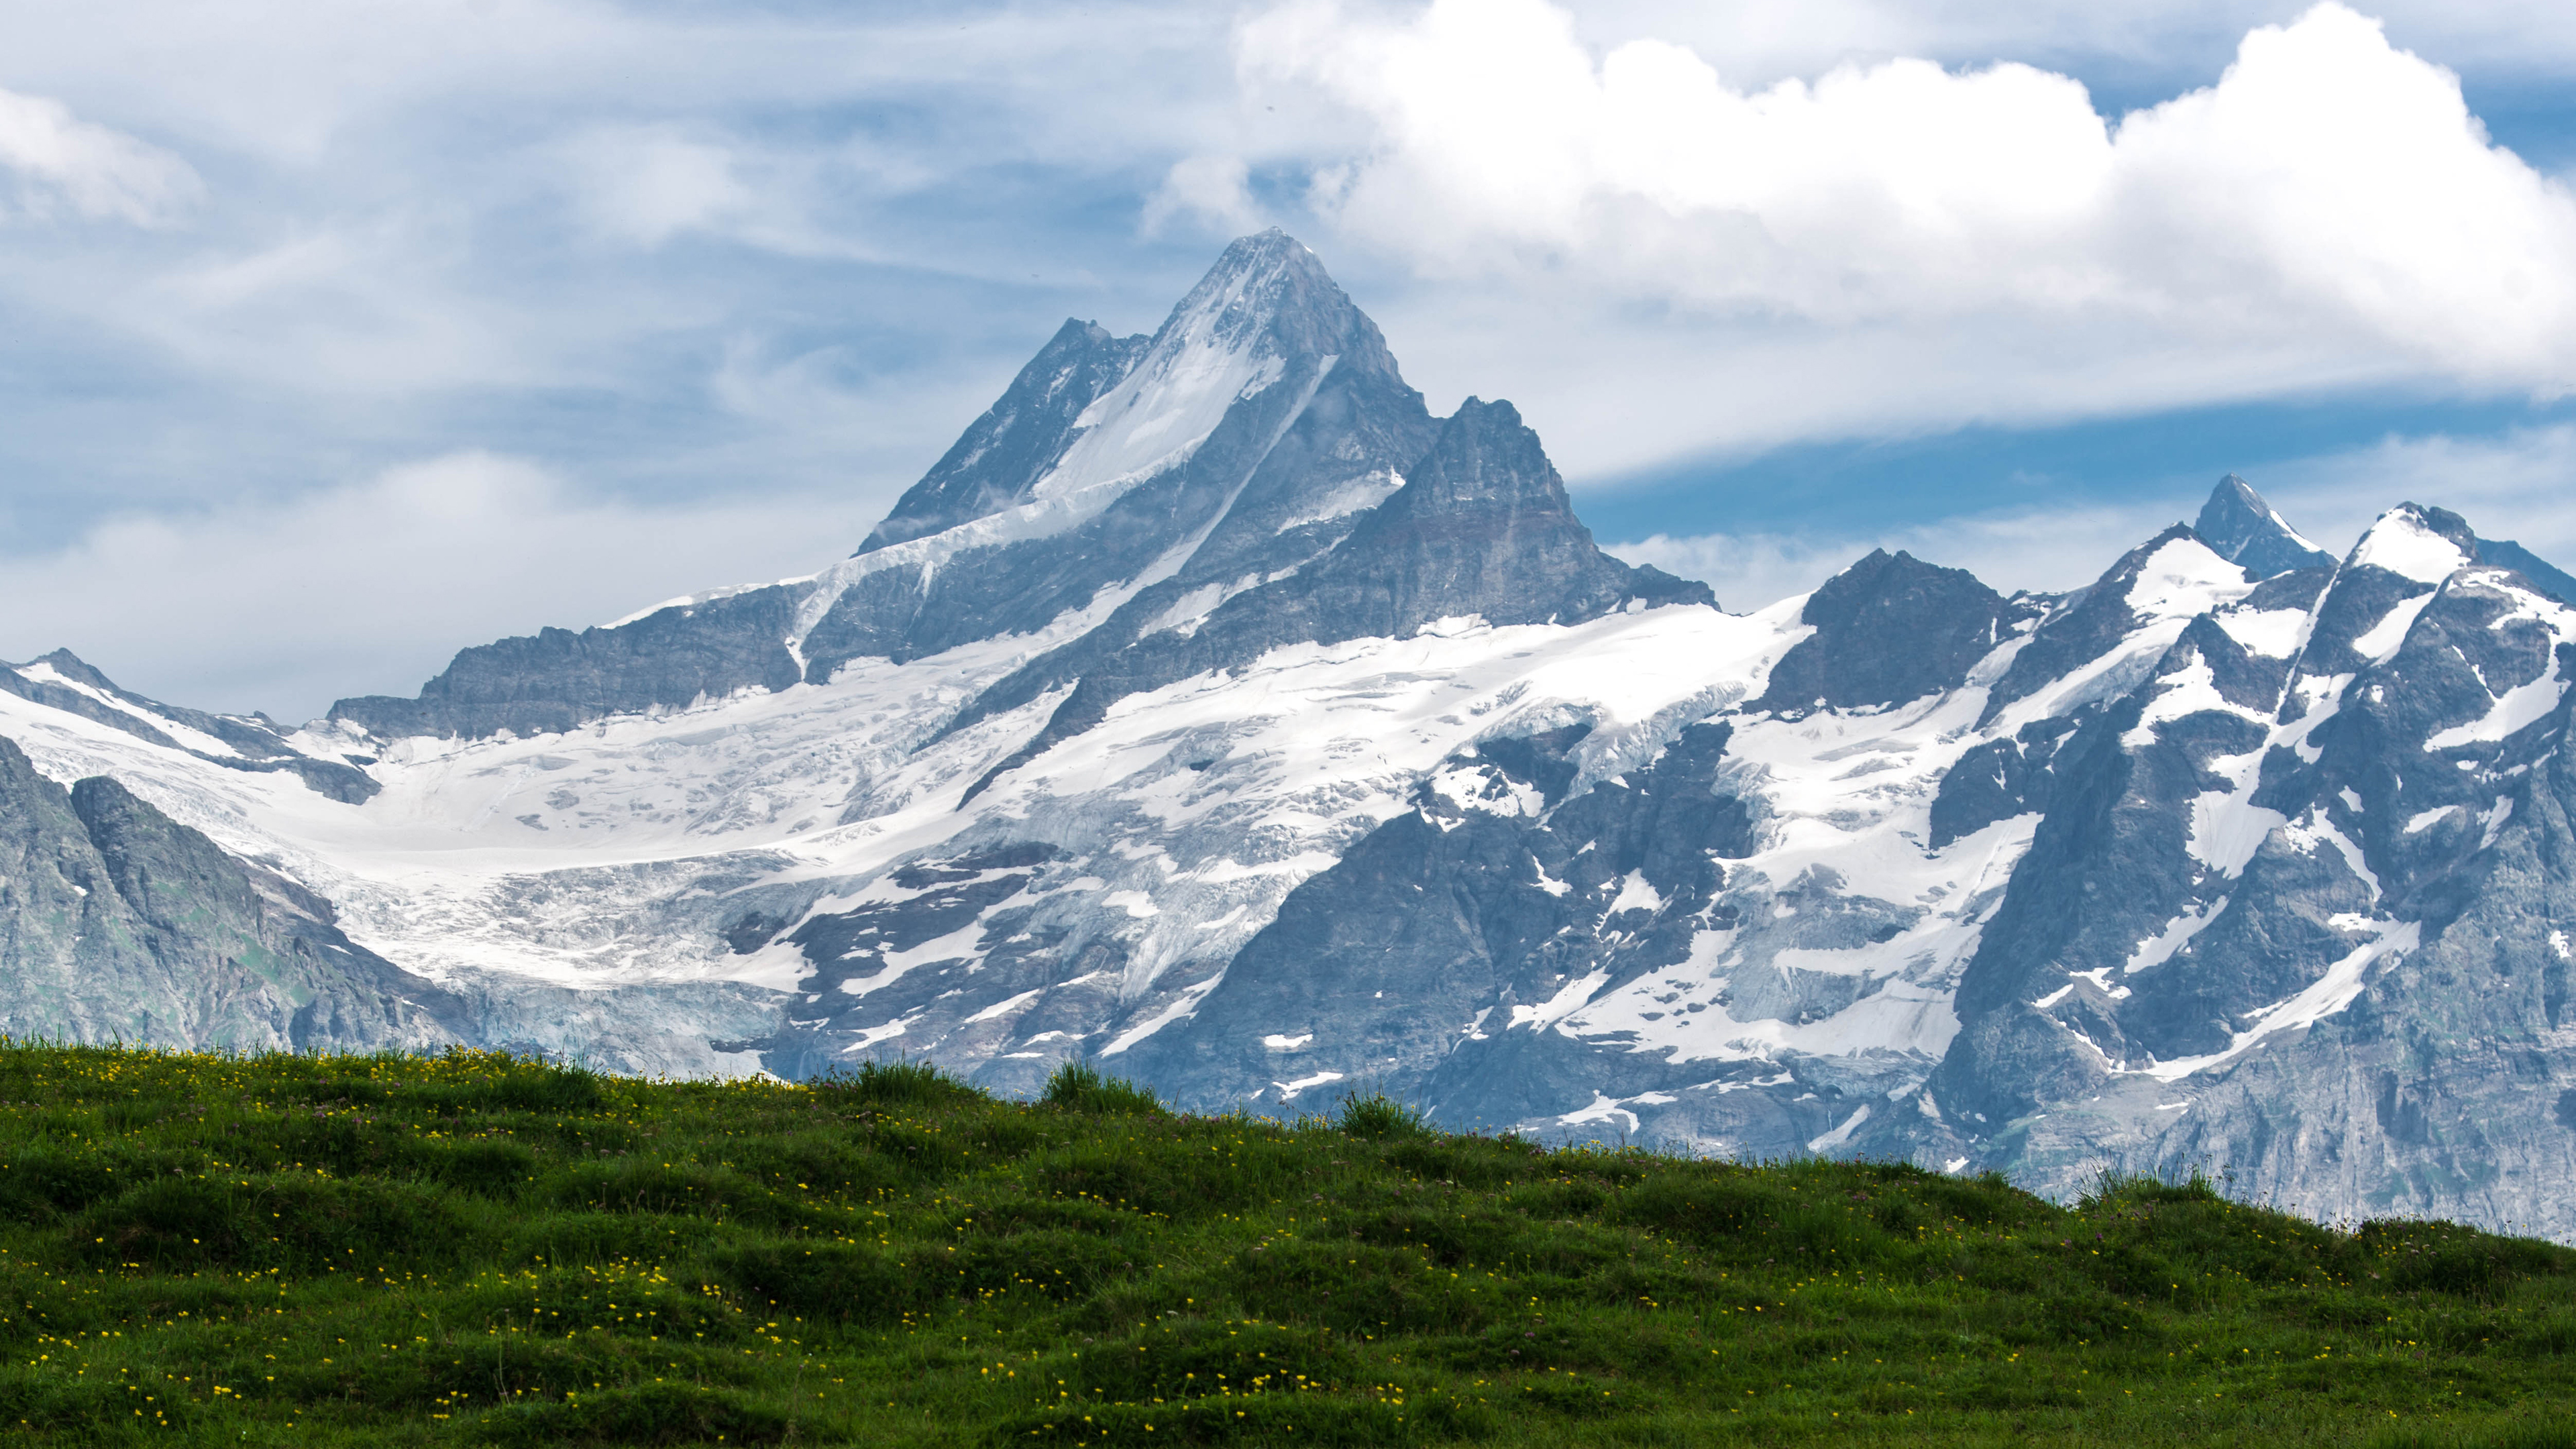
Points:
[(2329, 189), (63, 164), (370, 587)]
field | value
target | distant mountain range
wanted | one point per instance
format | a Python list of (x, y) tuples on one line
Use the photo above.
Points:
[(1214, 710)]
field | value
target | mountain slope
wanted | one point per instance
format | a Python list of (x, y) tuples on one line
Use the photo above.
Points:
[(2535, 570), (121, 924), (1481, 529), (1109, 466)]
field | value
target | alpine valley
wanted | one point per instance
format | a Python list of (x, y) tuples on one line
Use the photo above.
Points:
[(1215, 712)]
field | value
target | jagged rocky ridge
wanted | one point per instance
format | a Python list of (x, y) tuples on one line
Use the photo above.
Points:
[(1214, 710)]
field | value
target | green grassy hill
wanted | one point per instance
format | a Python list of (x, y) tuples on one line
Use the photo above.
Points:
[(474, 1249)]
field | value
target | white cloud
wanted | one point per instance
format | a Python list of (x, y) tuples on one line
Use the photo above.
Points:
[(643, 184), (1763, 40), (372, 586), (63, 163), (1213, 189), (349, 306), (2328, 211), (435, 221), (305, 80)]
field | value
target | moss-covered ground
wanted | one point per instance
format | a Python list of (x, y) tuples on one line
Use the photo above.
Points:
[(476, 1249)]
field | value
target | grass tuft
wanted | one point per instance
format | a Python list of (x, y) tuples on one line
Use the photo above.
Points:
[(1377, 1115), (896, 1083), (1079, 1087)]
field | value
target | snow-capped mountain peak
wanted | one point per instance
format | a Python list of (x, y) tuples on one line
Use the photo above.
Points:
[(2411, 541), (2242, 528)]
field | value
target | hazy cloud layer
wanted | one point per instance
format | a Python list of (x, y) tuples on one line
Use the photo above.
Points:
[(2515, 486), (370, 587)]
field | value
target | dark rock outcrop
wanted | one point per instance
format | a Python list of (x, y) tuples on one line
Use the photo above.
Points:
[(1402, 966), (1889, 629), (1270, 488), (2087, 625), (2542, 574), (557, 680)]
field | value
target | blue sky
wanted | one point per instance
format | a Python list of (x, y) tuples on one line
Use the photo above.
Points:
[(336, 336)]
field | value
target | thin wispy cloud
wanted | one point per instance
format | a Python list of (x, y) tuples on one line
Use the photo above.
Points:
[(64, 166)]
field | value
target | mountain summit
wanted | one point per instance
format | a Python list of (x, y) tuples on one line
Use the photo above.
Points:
[(2245, 530), (1114, 479)]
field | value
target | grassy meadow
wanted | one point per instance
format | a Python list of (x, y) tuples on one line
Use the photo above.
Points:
[(475, 1249)]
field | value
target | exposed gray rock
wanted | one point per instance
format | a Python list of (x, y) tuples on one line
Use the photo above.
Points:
[(2243, 529), (2539, 572), (1482, 527), (1292, 465), (118, 924), (2084, 627), (1400, 967), (1888, 630), (2137, 1002), (123, 925), (1001, 458), (2000, 779), (557, 680), (259, 745)]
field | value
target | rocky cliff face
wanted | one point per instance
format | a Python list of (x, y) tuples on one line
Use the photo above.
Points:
[(121, 924), (2296, 909), (1214, 711), (2243, 529), (558, 680)]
